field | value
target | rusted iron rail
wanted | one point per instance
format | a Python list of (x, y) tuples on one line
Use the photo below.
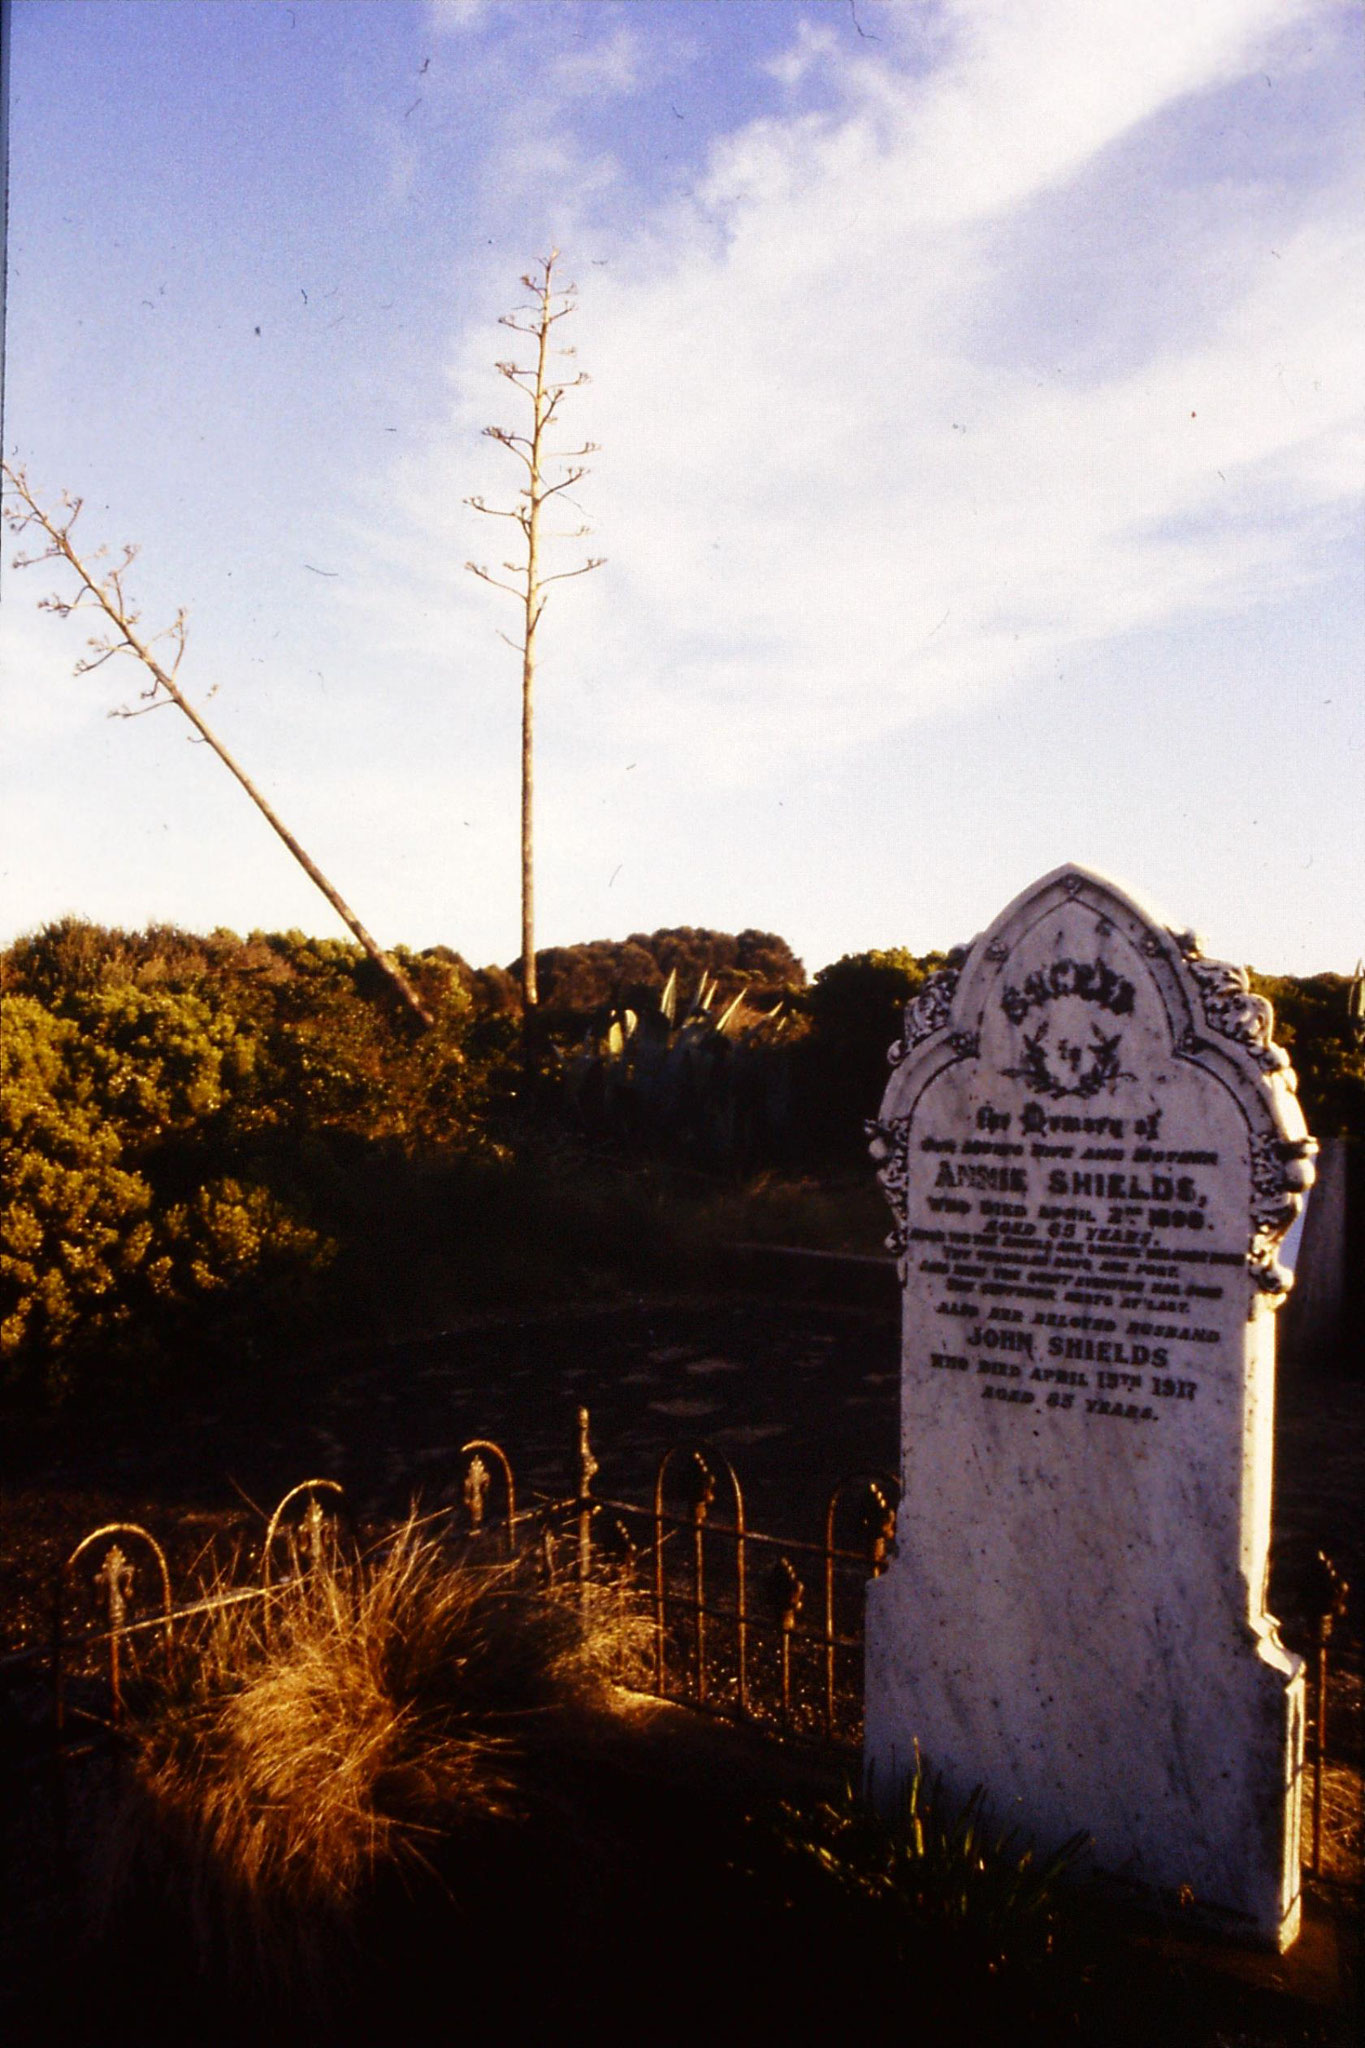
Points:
[(681, 1532), (118, 1576), (1327, 1595), (732, 1625)]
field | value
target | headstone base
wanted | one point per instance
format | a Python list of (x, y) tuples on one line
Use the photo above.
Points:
[(1207, 1829)]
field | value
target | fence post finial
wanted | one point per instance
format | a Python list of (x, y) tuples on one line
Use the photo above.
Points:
[(587, 1470), (587, 1463)]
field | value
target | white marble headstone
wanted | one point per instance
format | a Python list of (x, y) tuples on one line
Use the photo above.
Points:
[(1092, 1149)]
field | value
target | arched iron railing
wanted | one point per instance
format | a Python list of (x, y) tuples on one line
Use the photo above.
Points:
[(117, 1577), (726, 1609), (478, 1483)]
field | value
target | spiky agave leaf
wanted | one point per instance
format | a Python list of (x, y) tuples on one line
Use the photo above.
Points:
[(732, 1010), (668, 1001)]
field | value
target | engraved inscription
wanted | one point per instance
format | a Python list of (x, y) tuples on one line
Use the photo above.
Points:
[(1073, 1248)]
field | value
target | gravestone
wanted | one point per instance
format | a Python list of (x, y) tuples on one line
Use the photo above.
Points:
[(1092, 1149)]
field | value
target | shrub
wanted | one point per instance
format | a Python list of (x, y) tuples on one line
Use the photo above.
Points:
[(856, 1008), (576, 981), (74, 1223), (182, 1122), (1313, 1023), (699, 1080), (98, 1246)]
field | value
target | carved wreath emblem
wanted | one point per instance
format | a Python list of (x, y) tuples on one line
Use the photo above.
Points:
[(1067, 1069)]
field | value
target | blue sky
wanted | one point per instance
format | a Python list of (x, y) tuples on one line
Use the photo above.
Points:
[(978, 387)]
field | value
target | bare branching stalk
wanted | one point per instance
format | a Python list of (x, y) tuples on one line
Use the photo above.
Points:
[(107, 595), (552, 303)]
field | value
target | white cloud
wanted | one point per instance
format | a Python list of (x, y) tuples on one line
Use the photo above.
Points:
[(1028, 95), (609, 66), (913, 400), (1012, 341), (814, 45), (456, 17), (823, 495)]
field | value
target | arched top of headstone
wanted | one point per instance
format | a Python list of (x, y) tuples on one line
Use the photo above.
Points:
[(1074, 992)]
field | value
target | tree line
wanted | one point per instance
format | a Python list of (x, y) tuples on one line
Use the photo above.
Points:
[(199, 1132)]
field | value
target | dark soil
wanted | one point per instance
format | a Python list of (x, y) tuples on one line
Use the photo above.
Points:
[(797, 1392), (673, 1917)]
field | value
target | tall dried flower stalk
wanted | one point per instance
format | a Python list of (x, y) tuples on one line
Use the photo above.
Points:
[(551, 304)]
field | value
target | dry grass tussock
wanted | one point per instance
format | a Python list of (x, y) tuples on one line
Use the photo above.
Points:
[(378, 1711)]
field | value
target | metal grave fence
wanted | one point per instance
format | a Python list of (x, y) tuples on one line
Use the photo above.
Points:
[(707, 1611)]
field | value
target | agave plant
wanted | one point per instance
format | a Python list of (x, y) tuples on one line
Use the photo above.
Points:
[(694, 1078)]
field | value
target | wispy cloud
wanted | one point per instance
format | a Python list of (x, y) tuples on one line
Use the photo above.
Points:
[(611, 65), (851, 473), (456, 17)]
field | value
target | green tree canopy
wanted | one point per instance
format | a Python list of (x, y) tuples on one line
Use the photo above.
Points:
[(1314, 1025)]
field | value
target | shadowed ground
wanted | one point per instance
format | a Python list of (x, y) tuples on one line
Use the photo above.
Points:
[(797, 1392)]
